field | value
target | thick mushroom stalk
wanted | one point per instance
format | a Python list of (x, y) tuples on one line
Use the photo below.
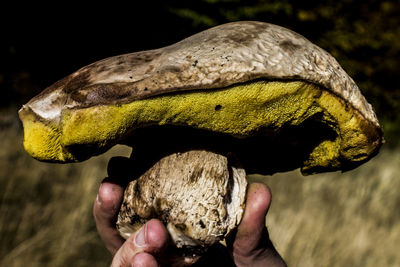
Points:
[(199, 195)]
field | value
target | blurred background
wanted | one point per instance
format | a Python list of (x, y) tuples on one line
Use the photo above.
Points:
[(334, 219)]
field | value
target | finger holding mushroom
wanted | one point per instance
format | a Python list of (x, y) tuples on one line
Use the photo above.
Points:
[(254, 90), (249, 245)]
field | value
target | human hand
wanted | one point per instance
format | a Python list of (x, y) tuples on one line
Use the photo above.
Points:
[(248, 246)]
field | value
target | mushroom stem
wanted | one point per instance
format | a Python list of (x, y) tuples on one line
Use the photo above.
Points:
[(199, 195)]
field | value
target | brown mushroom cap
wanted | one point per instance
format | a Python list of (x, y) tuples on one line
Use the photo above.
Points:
[(105, 102)]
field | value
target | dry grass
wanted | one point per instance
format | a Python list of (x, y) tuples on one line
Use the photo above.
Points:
[(350, 219), (338, 219), (46, 209)]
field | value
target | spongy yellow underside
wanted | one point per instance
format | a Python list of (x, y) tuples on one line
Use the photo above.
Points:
[(238, 110)]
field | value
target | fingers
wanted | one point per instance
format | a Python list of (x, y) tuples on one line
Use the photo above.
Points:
[(144, 259), (252, 225), (105, 213), (251, 245), (140, 248), (109, 200), (217, 255)]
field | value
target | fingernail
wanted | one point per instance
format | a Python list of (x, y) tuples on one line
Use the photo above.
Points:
[(98, 199), (140, 238)]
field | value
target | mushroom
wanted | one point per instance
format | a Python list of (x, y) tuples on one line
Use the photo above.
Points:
[(241, 97)]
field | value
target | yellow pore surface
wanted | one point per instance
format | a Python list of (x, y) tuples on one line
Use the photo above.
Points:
[(237, 110)]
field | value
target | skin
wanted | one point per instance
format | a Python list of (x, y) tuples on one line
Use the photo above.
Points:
[(248, 246)]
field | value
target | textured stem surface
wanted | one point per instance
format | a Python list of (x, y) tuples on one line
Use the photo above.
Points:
[(199, 195)]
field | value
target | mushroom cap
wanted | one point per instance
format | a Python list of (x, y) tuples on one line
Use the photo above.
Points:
[(260, 79)]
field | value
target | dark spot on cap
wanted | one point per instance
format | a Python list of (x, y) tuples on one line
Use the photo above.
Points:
[(78, 97), (172, 68), (78, 82), (289, 46), (218, 107), (108, 93)]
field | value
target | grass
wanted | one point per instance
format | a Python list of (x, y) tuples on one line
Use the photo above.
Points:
[(46, 209), (334, 219), (338, 219)]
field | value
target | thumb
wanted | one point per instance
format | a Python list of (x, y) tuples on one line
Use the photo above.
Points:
[(251, 245), (151, 239), (252, 228)]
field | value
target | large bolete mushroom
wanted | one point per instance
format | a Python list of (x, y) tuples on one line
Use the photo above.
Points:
[(244, 96)]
